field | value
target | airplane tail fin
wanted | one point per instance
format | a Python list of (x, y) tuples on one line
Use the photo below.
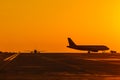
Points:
[(71, 43)]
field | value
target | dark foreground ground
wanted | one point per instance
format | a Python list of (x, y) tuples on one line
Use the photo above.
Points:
[(60, 66)]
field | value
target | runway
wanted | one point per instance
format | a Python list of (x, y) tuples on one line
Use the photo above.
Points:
[(59, 66)]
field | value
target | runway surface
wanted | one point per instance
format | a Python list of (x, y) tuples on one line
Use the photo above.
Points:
[(59, 66)]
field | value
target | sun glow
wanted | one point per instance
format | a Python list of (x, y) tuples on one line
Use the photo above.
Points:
[(46, 24)]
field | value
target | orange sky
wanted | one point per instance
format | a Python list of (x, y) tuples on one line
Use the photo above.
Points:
[(46, 24)]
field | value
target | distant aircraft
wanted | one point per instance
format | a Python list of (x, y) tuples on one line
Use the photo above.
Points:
[(89, 48), (36, 51)]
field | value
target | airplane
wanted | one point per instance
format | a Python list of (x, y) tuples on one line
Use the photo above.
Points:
[(33, 51), (89, 48)]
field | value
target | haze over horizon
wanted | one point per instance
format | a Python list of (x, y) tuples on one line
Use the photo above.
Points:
[(46, 24)]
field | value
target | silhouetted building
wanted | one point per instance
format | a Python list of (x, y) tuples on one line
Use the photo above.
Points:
[(113, 51)]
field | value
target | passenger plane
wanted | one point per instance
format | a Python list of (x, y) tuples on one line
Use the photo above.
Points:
[(89, 48)]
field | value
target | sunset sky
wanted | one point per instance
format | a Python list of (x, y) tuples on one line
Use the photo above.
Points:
[(46, 24)]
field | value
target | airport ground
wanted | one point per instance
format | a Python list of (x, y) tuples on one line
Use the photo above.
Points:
[(59, 66)]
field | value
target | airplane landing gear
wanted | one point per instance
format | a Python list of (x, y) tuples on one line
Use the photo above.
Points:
[(103, 51), (88, 52)]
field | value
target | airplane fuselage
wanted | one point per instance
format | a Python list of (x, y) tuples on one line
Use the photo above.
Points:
[(93, 48)]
